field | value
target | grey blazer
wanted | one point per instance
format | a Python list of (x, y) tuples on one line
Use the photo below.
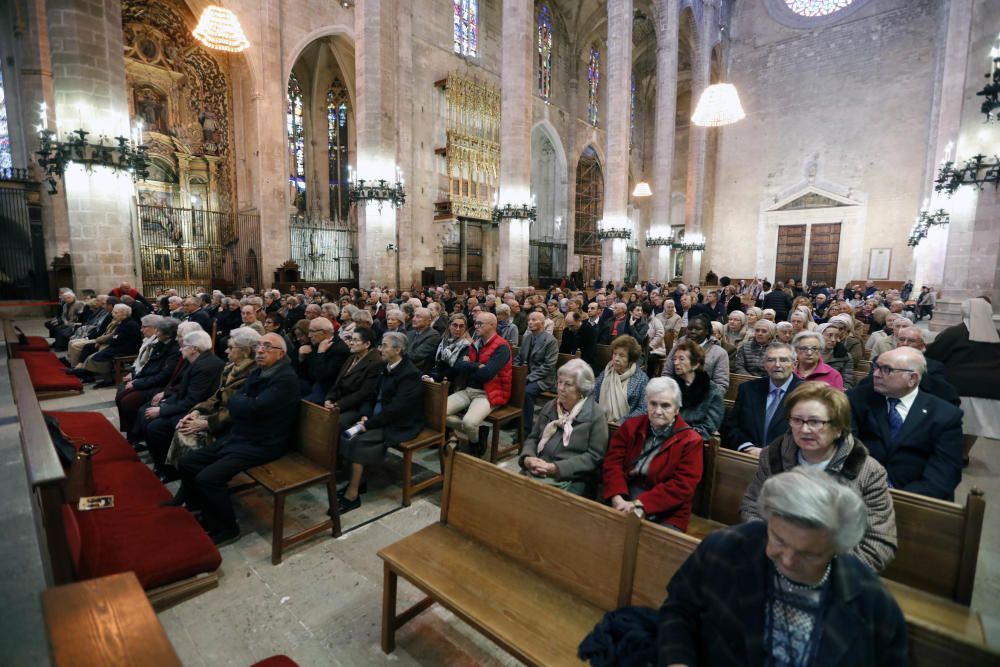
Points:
[(541, 354), (422, 348)]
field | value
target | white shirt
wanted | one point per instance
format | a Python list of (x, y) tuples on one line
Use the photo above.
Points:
[(389, 368), (906, 402)]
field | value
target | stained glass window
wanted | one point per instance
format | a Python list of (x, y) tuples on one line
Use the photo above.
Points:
[(466, 27), (817, 7), (6, 162), (296, 140), (336, 129), (593, 84), (545, 52)]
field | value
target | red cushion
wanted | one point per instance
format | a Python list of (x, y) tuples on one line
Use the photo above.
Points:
[(93, 427), (34, 344), (72, 529), (276, 661), (48, 374), (161, 545), (130, 482)]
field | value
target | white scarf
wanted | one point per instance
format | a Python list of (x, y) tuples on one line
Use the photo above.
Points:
[(563, 420), (614, 392)]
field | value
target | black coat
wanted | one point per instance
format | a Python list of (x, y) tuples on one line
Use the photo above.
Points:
[(926, 456), (583, 339), (779, 302), (125, 341), (202, 317), (159, 367), (198, 381), (264, 412), (972, 368), (402, 396), (745, 422), (716, 314), (351, 389)]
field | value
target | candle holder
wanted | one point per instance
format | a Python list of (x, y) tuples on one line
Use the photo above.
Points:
[(378, 191), (510, 212), (121, 155)]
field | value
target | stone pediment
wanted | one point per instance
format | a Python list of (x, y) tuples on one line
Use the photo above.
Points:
[(810, 200)]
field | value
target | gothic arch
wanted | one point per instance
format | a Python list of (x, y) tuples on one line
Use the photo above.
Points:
[(549, 189)]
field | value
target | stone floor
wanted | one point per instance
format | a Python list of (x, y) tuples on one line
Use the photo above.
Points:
[(322, 605)]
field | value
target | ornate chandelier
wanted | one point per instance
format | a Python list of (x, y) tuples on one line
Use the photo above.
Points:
[(718, 105), (219, 29), (376, 191), (611, 230), (690, 242), (659, 238)]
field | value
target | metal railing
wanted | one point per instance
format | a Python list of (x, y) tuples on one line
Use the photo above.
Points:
[(324, 249)]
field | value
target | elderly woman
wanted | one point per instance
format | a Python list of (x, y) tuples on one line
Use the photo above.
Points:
[(750, 356), (210, 419), (395, 321), (768, 314), (716, 359), (638, 321), (783, 332), (800, 321), (809, 348), (820, 438), (659, 326), (570, 434), (620, 388), (835, 355), (347, 325), (844, 321), (122, 338), (753, 315), (62, 327), (786, 587), (505, 327), (703, 406), (453, 346), (736, 328), (155, 365), (719, 336), (654, 461), (358, 378)]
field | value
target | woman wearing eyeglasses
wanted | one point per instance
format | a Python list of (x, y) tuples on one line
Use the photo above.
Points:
[(819, 437), (809, 347), (453, 346)]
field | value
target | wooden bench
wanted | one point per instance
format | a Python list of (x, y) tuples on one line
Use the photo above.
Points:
[(602, 357), (503, 581), (162, 545), (513, 411), (563, 358), (435, 414), (46, 372), (735, 380), (105, 621), (120, 364), (312, 461)]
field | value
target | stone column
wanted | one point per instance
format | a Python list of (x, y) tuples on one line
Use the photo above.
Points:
[(374, 26), (667, 16), (515, 139), (86, 48), (618, 80), (698, 138)]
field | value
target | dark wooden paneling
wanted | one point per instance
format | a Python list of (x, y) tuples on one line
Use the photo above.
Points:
[(791, 252), (824, 250)]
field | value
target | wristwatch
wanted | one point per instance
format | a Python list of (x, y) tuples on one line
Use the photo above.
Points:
[(639, 506)]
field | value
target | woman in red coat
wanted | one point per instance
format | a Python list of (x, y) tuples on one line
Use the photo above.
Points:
[(654, 461)]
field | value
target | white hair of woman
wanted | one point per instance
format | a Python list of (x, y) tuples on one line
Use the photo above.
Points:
[(244, 338), (122, 308), (802, 335), (661, 384), (396, 340), (582, 375), (768, 311), (152, 320), (362, 317), (330, 310), (186, 327), (813, 499), (175, 300), (199, 340)]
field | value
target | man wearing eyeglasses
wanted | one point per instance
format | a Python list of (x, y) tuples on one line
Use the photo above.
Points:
[(934, 381), (758, 415), (916, 436)]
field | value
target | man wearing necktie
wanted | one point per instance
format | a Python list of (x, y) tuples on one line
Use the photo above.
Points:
[(758, 416), (916, 436)]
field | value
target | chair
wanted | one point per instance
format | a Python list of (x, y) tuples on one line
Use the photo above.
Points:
[(311, 462), (563, 358), (120, 363), (435, 412), (512, 411)]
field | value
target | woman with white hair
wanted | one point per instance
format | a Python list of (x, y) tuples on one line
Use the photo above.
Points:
[(122, 338), (970, 352), (809, 349), (787, 587), (155, 366), (569, 435), (736, 328), (835, 355), (70, 315), (654, 460), (210, 418)]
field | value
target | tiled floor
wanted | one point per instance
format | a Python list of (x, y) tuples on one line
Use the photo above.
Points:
[(322, 605)]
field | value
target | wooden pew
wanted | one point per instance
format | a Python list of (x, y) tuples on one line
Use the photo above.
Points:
[(504, 581), (513, 411), (312, 461), (44, 369), (105, 621), (735, 380), (435, 413), (602, 356), (563, 358)]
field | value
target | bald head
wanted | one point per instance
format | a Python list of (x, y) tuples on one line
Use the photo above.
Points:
[(270, 350), (910, 337), (898, 372)]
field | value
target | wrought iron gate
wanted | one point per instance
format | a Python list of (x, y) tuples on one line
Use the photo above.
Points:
[(547, 263), (23, 272), (324, 249), (186, 249)]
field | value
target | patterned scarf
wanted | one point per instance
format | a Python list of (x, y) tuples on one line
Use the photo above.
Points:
[(564, 421)]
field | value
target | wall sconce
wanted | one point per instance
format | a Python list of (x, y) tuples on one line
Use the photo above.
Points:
[(54, 155), (610, 230), (658, 239), (977, 170), (380, 191)]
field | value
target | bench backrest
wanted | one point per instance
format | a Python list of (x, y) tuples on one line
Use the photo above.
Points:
[(938, 544), (735, 380), (661, 553), (725, 479), (563, 358), (45, 478), (518, 381), (435, 405), (539, 527), (602, 356), (318, 430)]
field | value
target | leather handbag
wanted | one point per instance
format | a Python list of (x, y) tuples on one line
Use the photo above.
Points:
[(80, 479)]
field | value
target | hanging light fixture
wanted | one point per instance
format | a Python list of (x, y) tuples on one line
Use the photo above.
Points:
[(718, 105), (219, 29), (642, 190)]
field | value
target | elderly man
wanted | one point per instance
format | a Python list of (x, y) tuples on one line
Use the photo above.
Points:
[(750, 355), (934, 381), (392, 416), (578, 336), (320, 360), (885, 332), (758, 415), (616, 326), (539, 351), (191, 311), (248, 314), (97, 325), (264, 412), (423, 341), (312, 311), (63, 326), (886, 343), (712, 308), (785, 590), (487, 372), (916, 436), (122, 342)]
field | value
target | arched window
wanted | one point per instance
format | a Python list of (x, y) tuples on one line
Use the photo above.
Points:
[(336, 135), (545, 52), (6, 161), (296, 139), (593, 84), (817, 7), (466, 27)]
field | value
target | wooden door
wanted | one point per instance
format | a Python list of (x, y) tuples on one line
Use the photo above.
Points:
[(824, 251), (791, 252)]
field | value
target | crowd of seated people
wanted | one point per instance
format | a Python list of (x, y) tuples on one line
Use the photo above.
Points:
[(635, 436)]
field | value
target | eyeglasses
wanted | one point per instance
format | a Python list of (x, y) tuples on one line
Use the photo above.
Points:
[(808, 350), (889, 370), (267, 347), (778, 360), (479, 324), (458, 324), (813, 424)]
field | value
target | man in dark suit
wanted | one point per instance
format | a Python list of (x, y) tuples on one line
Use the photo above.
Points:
[(617, 326), (711, 308), (934, 381), (423, 341), (579, 336), (395, 415), (777, 301), (762, 400), (264, 412), (193, 312), (917, 437), (539, 351)]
